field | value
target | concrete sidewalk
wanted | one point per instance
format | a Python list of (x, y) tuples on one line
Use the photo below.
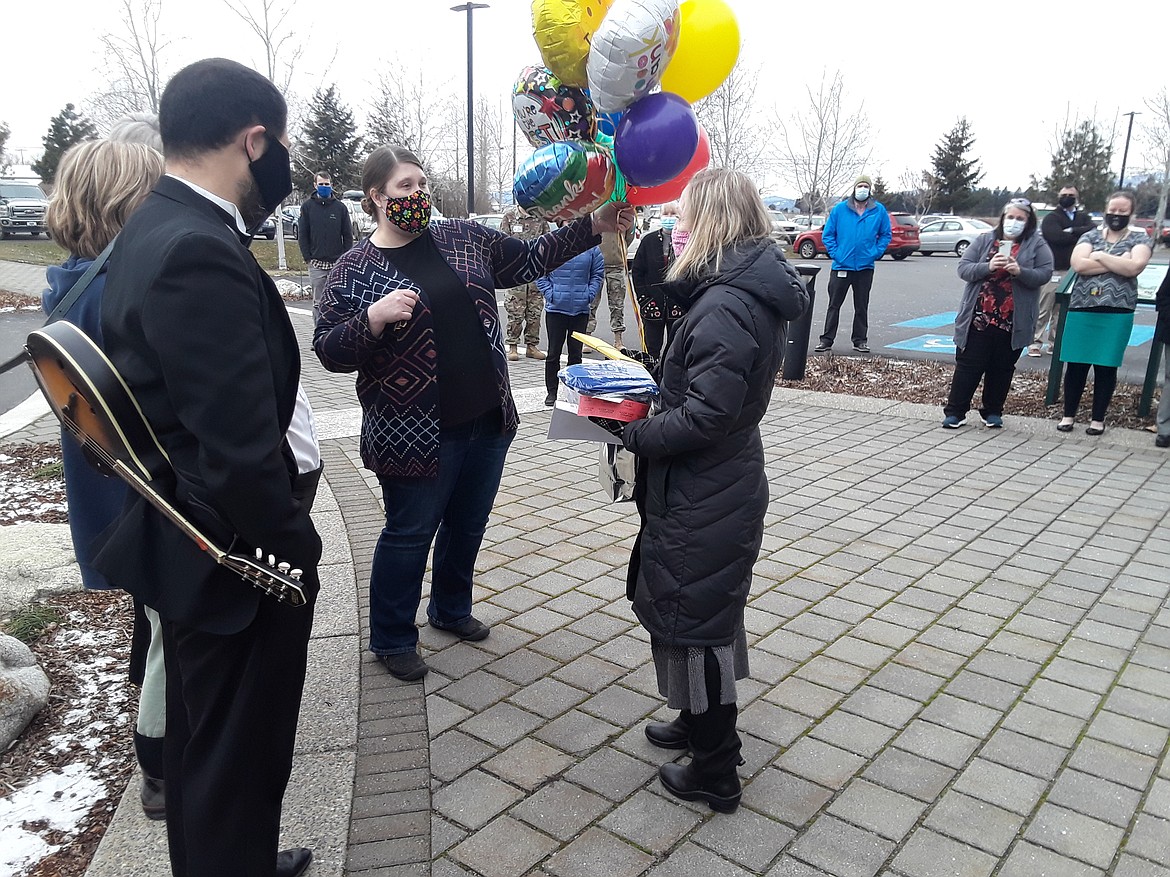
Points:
[(19, 277), (960, 665)]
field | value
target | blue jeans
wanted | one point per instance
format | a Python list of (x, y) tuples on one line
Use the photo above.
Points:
[(456, 506)]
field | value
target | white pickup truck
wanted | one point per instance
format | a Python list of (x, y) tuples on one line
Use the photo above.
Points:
[(22, 207)]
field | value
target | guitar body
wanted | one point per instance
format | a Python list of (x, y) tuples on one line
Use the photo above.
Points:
[(95, 405), (84, 389)]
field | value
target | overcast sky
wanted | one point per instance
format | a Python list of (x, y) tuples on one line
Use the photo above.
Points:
[(1016, 71)]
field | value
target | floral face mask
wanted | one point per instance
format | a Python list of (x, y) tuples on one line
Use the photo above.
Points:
[(411, 213)]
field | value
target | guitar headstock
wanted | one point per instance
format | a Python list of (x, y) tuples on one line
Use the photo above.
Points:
[(276, 578)]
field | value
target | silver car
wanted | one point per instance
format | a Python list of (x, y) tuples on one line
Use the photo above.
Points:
[(950, 235)]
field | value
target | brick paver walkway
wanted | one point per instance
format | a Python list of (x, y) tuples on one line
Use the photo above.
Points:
[(960, 665)]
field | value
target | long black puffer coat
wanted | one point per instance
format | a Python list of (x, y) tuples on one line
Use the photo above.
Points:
[(702, 489)]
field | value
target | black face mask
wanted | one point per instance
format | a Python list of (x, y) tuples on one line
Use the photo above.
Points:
[(1068, 202), (272, 176), (1116, 221)]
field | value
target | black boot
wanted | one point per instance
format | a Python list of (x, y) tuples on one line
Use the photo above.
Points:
[(720, 793), (715, 747), (153, 798), (670, 735)]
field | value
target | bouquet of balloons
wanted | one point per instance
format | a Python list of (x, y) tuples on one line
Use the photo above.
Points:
[(609, 112)]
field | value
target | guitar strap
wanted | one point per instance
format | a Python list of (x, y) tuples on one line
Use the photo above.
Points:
[(67, 302)]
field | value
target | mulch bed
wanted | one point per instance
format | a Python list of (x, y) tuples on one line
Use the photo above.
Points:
[(928, 381)]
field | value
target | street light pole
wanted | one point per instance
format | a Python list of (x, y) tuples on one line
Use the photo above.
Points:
[(1125, 154), (469, 8)]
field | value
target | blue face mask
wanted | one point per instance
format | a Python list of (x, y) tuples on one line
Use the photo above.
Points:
[(324, 191), (668, 222)]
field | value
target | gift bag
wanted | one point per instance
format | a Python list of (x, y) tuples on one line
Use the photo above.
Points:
[(615, 470)]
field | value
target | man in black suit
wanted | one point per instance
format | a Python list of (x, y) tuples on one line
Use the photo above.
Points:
[(203, 340)]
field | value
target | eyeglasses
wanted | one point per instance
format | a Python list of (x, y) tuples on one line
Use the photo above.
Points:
[(1022, 203)]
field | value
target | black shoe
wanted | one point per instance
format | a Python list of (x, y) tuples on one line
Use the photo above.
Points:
[(861, 348), (1162, 441), (722, 795), (550, 400), (294, 862), (407, 666), (472, 630), (822, 347), (1064, 427), (669, 735), (1094, 430), (153, 797)]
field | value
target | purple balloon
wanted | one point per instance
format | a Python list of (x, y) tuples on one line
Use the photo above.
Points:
[(656, 139)]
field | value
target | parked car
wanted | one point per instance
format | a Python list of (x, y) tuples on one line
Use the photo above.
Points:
[(291, 217), (783, 228), (491, 220), (267, 229), (22, 208), (1164, 234), (1150, 226), (950, 235), (362, 224), (903, 239), (928, 218), (903, 236)]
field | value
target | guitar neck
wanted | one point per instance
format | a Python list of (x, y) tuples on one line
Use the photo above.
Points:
[(155, 499)]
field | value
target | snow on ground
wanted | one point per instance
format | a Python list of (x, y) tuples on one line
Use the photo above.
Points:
[(53, 802)]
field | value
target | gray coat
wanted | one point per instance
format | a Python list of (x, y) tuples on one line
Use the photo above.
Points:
[(1035, 260)]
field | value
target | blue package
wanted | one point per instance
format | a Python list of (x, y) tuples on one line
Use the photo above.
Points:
[(610, 376)]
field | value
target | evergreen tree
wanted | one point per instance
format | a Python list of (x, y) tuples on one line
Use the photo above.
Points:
[(1082, 160), (330, 141), (880, 191), (67, 128), (955, 175)]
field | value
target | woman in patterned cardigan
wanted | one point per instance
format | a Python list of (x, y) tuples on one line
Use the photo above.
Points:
[(412, 309)]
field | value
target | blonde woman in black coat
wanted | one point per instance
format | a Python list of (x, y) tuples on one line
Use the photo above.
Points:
[(702, 488)]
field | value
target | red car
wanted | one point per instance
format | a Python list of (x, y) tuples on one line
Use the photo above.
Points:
[(903, 240)]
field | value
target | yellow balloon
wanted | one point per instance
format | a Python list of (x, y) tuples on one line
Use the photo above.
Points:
[(563, 30), (708, 47)]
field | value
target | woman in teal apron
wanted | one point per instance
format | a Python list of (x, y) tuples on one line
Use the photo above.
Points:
[(1107, 261)]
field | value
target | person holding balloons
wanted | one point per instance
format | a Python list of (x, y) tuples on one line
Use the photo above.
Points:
[(412, 309), (701, 489), (654, 257)]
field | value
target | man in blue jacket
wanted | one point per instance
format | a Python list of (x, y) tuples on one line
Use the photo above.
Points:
[(856, 235)]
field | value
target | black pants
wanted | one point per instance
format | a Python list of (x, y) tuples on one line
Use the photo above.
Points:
[(560, 328), (1076, 374), (861, 281), (232, 708), (988, 355)]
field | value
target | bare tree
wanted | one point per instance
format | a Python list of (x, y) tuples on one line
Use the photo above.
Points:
[(1156, 136), (402, 112), (133, 66), (824, 147), (268, 20), (918, 187), (740, 135)]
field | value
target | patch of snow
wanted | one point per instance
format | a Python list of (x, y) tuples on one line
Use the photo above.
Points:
[(56, 801)]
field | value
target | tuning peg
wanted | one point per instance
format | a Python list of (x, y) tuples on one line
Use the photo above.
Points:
[(296, 574), (283, 566), (260, 554), (272, 560)]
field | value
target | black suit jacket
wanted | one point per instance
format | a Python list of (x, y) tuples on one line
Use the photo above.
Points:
[(204, 342), (1062, 234)]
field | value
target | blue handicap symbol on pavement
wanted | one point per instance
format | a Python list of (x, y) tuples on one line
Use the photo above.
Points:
[(933, 321), (928, 343), (1139, 335)]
